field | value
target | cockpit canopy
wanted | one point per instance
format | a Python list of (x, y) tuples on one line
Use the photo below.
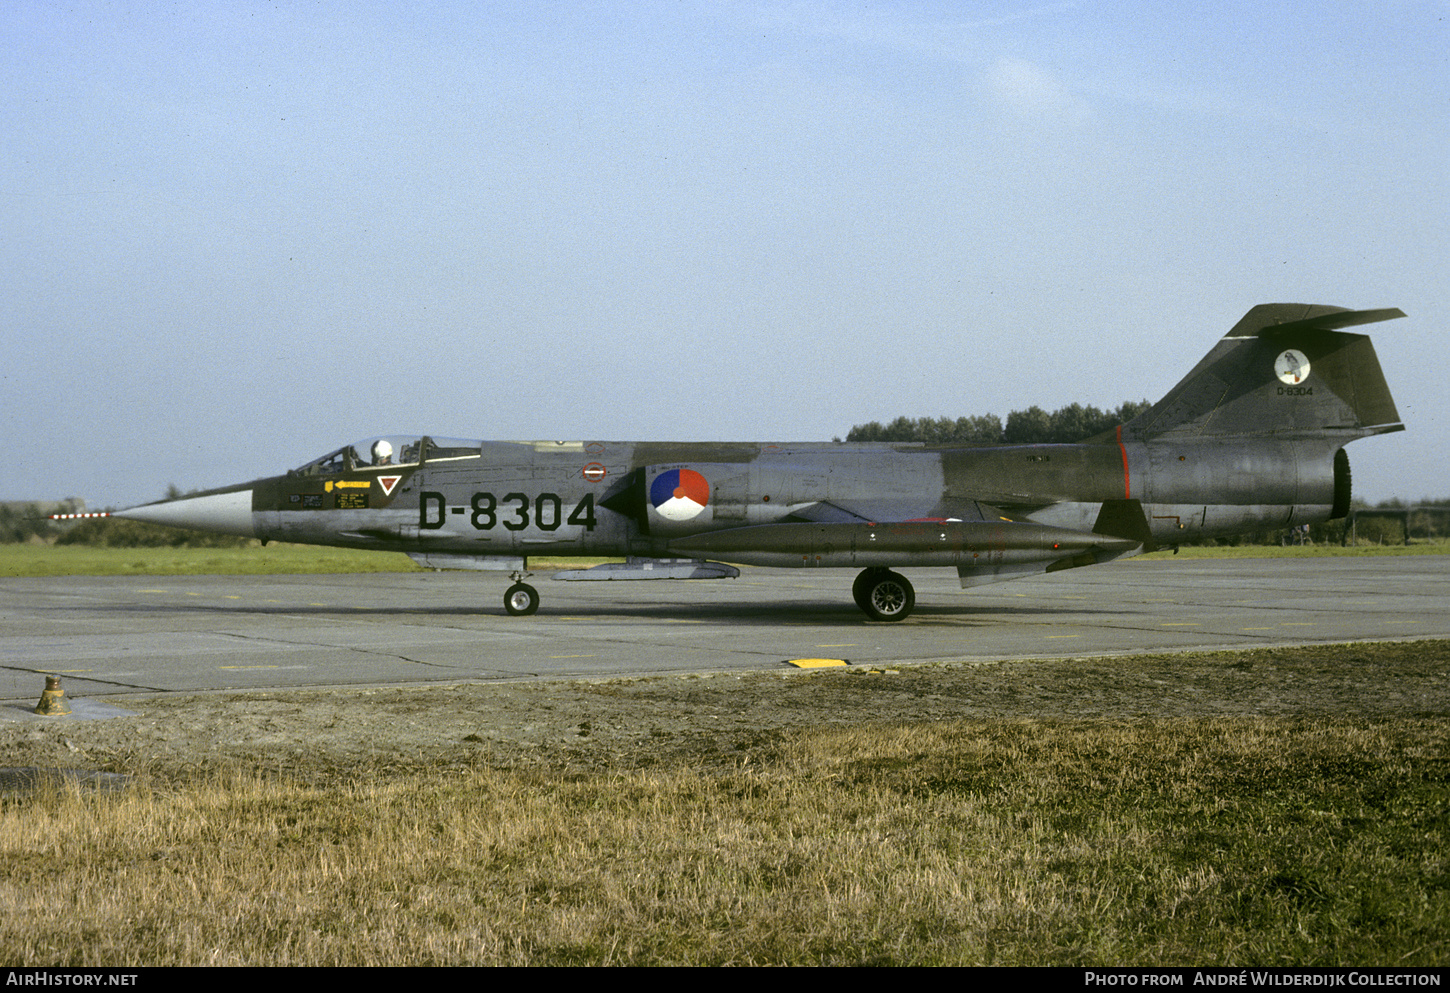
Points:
[(389, 450)]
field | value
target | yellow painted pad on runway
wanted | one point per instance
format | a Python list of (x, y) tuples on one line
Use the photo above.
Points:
[(815, 663)]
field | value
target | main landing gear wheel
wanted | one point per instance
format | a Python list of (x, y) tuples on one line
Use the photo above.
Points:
[(858, 588), (884, 595), (521, 599)]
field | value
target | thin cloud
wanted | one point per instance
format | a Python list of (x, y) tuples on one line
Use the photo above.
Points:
[(1031, 92)]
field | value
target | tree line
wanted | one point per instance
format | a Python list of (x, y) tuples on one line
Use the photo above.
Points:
[(1033, 426), (29, 522)]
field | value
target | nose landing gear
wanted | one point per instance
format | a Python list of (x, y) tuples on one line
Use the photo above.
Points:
[(520, 599)]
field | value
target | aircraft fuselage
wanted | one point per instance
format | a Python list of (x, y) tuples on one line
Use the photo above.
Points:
[(587, 498)]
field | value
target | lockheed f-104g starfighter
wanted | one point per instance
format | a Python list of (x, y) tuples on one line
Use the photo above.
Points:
[(1252, 438)]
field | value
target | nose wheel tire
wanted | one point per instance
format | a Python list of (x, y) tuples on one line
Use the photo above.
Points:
[(521, 599), (884, 595)]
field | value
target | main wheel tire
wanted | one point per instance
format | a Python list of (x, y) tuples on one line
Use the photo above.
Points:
[(858, 588), (521, 600), (887, 596)]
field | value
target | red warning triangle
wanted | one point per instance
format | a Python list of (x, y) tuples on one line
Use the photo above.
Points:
[(388, 483)]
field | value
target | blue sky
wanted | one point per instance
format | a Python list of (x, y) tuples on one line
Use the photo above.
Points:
[(237, 235)]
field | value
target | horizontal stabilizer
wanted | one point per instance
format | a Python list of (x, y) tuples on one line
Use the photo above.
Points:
[(639, 569), (1289, 318), (1345, 319)]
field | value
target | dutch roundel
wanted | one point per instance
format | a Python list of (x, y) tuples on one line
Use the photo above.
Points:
[(679, 494)]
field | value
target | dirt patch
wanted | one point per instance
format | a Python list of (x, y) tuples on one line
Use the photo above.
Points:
[(318, 735)]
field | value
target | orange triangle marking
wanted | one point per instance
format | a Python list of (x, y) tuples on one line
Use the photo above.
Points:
[(387, 483)]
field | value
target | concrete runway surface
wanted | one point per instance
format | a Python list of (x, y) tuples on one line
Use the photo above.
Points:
[(115, 635)]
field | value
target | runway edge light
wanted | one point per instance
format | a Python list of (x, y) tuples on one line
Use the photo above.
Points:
[(52, 700)]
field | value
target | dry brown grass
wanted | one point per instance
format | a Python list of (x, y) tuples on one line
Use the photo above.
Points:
[(1008, 841)]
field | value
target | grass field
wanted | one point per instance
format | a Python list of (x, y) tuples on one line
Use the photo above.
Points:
[(1222, 841), (85, 560), (275, 558)]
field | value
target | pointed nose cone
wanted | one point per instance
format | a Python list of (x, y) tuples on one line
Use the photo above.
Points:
[(227, 513)]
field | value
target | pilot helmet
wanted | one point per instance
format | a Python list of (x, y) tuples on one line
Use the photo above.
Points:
[(382, 450)]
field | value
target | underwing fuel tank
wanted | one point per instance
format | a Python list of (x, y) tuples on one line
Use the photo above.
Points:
[(970, 544)]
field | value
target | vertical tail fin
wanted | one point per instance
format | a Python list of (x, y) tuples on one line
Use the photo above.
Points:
[(1285, 370)]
